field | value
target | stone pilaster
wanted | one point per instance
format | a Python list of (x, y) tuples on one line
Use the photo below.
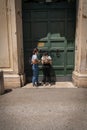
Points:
[(11, 43), (80, 73)]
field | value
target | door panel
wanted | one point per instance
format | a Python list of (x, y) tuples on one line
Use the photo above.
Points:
[(41, 18), (57, 26), (39, 30)]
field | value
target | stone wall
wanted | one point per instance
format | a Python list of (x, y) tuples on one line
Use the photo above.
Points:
[(80, 72), (11, 45)]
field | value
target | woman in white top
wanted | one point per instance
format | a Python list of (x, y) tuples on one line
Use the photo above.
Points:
[(35, 68)]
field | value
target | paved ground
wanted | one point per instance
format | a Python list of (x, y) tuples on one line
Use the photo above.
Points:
[(44, 109)]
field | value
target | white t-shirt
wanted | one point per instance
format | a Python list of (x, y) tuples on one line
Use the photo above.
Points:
[(34, 57), (46, 59)]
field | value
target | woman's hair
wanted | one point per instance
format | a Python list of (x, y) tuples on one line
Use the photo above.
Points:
[(35, 50), (45, 53)]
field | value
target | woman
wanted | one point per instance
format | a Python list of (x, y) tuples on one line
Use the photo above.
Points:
[(46, 67), (35, 68)]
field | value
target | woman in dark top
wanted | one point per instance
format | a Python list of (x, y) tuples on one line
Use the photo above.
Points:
[(46, 67)]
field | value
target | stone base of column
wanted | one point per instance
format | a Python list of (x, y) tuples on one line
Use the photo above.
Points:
[(79, 80), (13, 80), (1, 83)]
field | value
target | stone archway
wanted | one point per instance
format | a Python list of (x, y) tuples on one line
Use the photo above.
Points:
[(79, 75)]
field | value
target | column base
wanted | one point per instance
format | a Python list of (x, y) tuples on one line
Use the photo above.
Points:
[(13, 80), (79, 80), (1, 83)]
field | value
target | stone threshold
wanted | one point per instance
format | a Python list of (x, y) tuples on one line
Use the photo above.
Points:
[(56, 85)]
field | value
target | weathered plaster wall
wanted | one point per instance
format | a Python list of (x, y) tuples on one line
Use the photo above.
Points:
[(80, 72)]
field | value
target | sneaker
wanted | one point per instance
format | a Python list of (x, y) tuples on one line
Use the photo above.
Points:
[(46, 84), (35, 85)]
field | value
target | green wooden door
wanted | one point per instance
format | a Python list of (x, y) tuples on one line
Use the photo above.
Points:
[(41, 18)]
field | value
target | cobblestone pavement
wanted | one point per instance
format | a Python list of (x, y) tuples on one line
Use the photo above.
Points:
[(44, 109)]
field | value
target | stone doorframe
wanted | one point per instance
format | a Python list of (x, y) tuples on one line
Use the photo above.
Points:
[(11, 49), (79, 75)]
